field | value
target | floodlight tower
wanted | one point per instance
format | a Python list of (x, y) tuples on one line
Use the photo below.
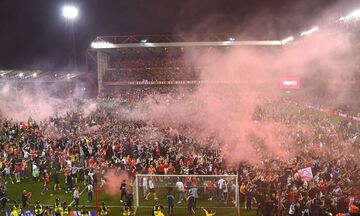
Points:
[(70, 14)]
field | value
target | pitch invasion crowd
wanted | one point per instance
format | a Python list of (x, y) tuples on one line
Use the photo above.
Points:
[(83, 147)]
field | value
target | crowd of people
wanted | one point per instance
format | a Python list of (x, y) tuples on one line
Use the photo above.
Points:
[(151, 69), (83, 147)]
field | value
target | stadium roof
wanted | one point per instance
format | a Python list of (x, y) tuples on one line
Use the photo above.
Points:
[(165, 44)]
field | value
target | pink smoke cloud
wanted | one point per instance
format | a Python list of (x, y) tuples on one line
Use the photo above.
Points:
[(114, 180)]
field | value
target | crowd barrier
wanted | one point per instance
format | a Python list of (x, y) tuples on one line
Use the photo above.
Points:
[(343, 115), (335, 113)]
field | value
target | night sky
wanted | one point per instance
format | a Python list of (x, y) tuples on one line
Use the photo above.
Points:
[(34, 35)]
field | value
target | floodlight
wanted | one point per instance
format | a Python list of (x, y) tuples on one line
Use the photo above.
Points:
[(314, 29), (34, 75), (21, 74), (309, 32), (355, 14), (70, 12), (287, 40), (101, 45)]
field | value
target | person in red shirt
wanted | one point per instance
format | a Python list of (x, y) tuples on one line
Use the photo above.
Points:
[(292, 196), (90, 162), (158, 152), (211, 189), (161, 168), (24, 169), (132, 163), (171, 169), (151, 170), (62, 162), (17, 173), (46, 182), (134, 172), (67, 172), (323, 186), (166, 167)]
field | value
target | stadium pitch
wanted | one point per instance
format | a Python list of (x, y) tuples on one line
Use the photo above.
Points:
[(48, 199)]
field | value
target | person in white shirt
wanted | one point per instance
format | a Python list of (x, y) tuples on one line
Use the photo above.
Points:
[(7, 172), (26, 154), (91, 176), (223, 189), (76, 196), (90, 189), (68, 162), (151, 190), (180, 187), (34, 167), (145, 186)]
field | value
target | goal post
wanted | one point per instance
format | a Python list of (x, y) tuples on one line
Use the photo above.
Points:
[(212, 192)]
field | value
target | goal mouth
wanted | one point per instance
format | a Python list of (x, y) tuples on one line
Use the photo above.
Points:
[(187, 192)]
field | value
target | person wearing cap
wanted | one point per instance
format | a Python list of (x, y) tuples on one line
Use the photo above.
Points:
[(15, 206), (57, 207), (16, 210), (48, 211), (103, 210), (157, 210), (84, 211), (126, 211), (38, 209), (65, 210)]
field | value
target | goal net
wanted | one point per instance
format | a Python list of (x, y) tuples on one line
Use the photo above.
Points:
[(218, 193)]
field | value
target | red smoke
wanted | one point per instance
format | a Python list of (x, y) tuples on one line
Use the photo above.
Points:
[(114, 180), (225, 111)]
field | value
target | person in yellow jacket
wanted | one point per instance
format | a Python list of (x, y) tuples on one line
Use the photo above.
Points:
[(208, 212), (157, 210), (126, 211), (103, 211), (84, 211), (48, 211), (14, 212), (38, 209), (17, 208), (65, 210), (57, 207)]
